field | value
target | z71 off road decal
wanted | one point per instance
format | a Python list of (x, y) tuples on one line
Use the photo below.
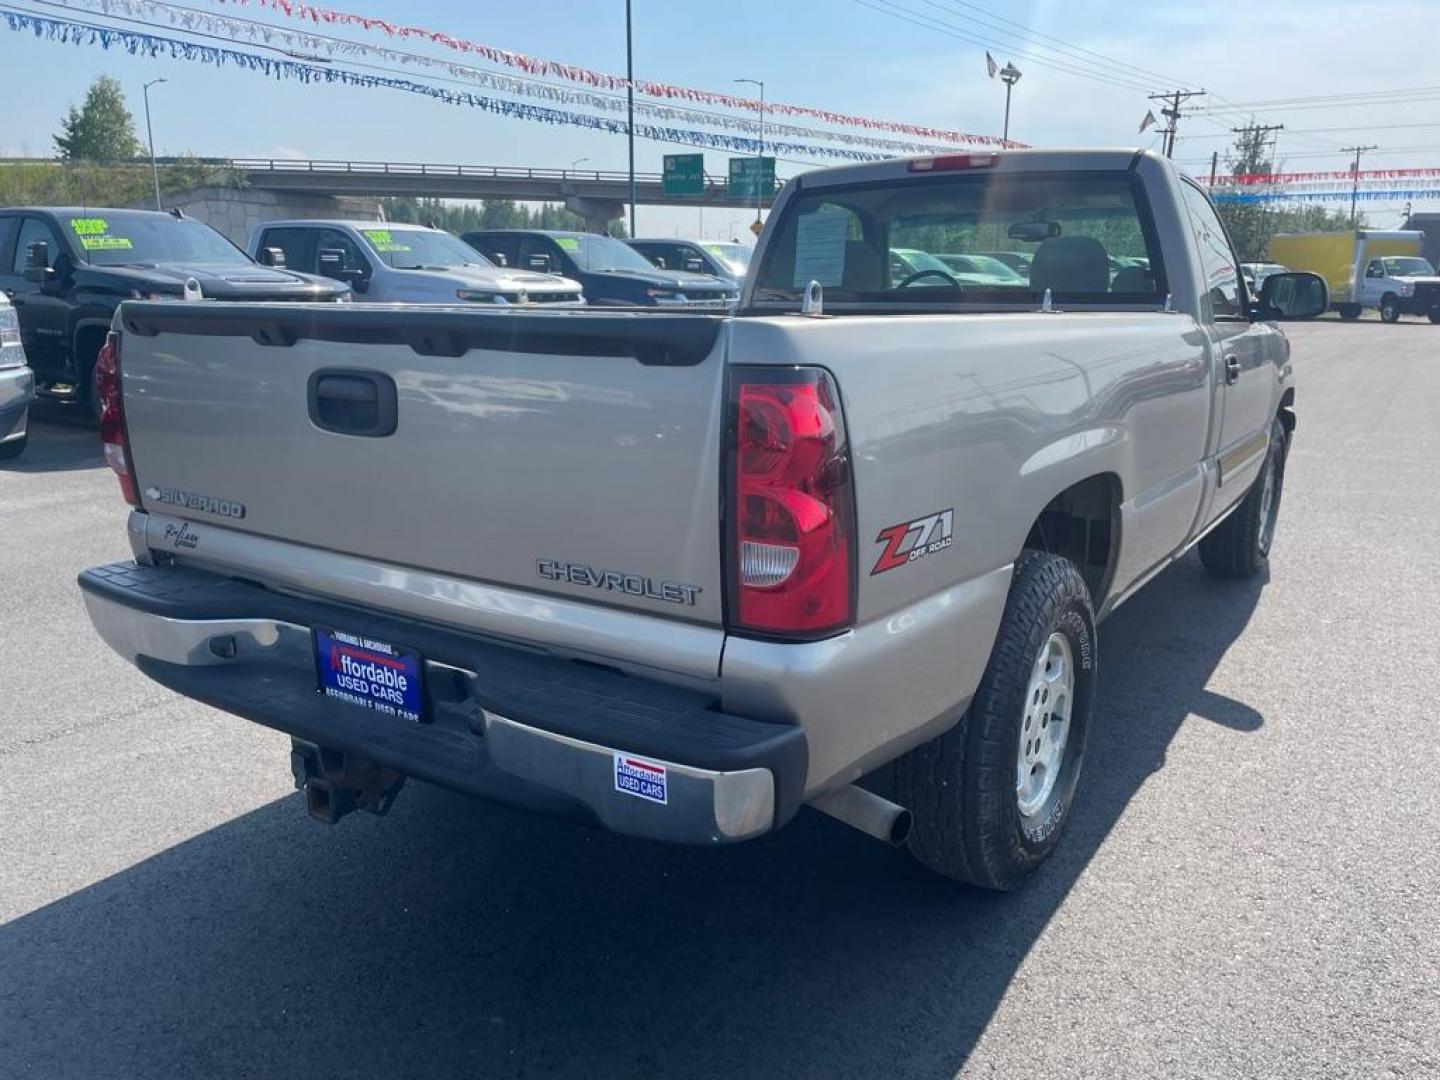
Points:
[(912, 540)]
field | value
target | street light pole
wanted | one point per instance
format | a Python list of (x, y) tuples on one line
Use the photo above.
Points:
[(630, 108), (1009, 75), (760, 157), (150, 137), (577, 161)]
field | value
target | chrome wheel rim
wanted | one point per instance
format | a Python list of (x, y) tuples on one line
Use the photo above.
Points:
[(1267, 504), (1045, 728)]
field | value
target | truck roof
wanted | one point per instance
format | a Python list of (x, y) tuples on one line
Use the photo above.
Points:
[(88, 211), (392, 226), (1107, 160)]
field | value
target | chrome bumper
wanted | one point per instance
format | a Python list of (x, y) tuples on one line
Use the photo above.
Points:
[(264, 669)]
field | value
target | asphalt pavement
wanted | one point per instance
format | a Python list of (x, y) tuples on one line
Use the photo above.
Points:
[(1250, 886)]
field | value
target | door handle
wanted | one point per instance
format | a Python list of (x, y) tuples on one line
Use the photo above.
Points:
[(350, 402), (1232, 370)]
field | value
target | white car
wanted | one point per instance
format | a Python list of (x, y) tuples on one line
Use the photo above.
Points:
[(17, 385), (1257, 272), (390, 262)]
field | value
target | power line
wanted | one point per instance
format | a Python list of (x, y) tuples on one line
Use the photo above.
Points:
[(1062, 46), (928, 22)]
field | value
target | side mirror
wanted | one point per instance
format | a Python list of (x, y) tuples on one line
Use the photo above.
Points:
[(332, 263), (1032, 232), (498, 258), (37, 263), (540, 263), (695, 266), (1293, 295), (272, 256)]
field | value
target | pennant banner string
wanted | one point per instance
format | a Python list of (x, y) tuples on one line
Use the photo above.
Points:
[(152, 45), (572, 73), (202, 23)]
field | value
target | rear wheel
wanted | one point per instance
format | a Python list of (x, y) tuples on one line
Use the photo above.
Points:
[(991, 796), (1349, 312), (1240, 545), (1389, 308)]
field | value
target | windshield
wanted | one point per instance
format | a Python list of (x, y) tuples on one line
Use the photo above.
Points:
[(733, 257), (601, 253), (1409, 267), (126, 239), (422, 249), (872, 243)]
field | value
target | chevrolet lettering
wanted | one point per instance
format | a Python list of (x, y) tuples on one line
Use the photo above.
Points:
[(672, 592)]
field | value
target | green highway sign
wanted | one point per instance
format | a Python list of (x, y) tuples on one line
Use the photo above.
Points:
[(684, 174), (752, 177)]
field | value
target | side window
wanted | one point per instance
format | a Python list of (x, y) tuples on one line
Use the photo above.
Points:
[(1217, 258), (1375, 269), (501, 250), (335, 240), (34, 230), (298, 245)]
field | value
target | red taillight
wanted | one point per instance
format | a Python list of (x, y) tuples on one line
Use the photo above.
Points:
[(112, 417), (952, 162), (791, 542)]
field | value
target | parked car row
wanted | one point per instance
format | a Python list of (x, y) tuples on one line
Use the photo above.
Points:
[(65, 270)]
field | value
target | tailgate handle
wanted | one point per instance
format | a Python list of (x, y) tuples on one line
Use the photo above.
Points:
[(350, 402)]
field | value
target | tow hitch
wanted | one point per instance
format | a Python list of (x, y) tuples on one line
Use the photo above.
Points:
[(336, 782)]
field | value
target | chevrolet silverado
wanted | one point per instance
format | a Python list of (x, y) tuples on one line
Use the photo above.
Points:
[(681, 574)]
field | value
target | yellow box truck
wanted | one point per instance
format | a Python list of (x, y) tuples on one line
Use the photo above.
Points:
[(1366, 268)]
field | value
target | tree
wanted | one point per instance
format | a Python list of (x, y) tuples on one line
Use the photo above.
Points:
[(102, 129), (1251, 225)]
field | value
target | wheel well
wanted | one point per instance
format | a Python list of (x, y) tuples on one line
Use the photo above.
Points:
[(1082, 524)]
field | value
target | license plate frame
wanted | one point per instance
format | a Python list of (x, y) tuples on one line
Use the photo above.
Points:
[(368, 673)]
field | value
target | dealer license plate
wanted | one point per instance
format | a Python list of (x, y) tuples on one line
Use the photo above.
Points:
[(371, 674)]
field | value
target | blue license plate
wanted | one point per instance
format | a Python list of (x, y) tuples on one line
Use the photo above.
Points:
[(371, 674)]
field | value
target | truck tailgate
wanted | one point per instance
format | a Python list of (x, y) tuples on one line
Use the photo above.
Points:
[(576, 453)]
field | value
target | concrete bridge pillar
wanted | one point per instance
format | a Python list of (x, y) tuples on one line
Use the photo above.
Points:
[(598, 213)]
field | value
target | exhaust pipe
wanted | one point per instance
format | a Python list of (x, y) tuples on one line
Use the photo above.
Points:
[(866, 811)]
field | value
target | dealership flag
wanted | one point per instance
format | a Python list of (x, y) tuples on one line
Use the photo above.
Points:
[(1149, 119), (990, 65)]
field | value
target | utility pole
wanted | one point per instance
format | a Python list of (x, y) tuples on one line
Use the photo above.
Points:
[(1214, 167), (1173, 100), (1355, 177), (630, 109), (1252, 143)]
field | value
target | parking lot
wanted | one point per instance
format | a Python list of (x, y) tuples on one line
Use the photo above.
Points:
[(1251, 886)]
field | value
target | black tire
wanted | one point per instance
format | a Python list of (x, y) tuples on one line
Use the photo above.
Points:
[(11, 450), (1349, 312), (1389, 308), (1240, 545), (1435, 317), (961, 786)]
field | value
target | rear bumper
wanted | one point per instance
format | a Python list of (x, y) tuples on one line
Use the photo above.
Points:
[(501, 723)]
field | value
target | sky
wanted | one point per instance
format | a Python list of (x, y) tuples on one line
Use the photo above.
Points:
[(863, 57)]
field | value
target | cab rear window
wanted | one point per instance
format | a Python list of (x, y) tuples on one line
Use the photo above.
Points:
[(973, 237)]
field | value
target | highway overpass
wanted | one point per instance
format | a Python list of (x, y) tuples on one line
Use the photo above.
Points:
[(596, 195)]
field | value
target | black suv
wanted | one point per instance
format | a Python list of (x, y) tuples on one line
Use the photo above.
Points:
[(610, 271), (66, 270)]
